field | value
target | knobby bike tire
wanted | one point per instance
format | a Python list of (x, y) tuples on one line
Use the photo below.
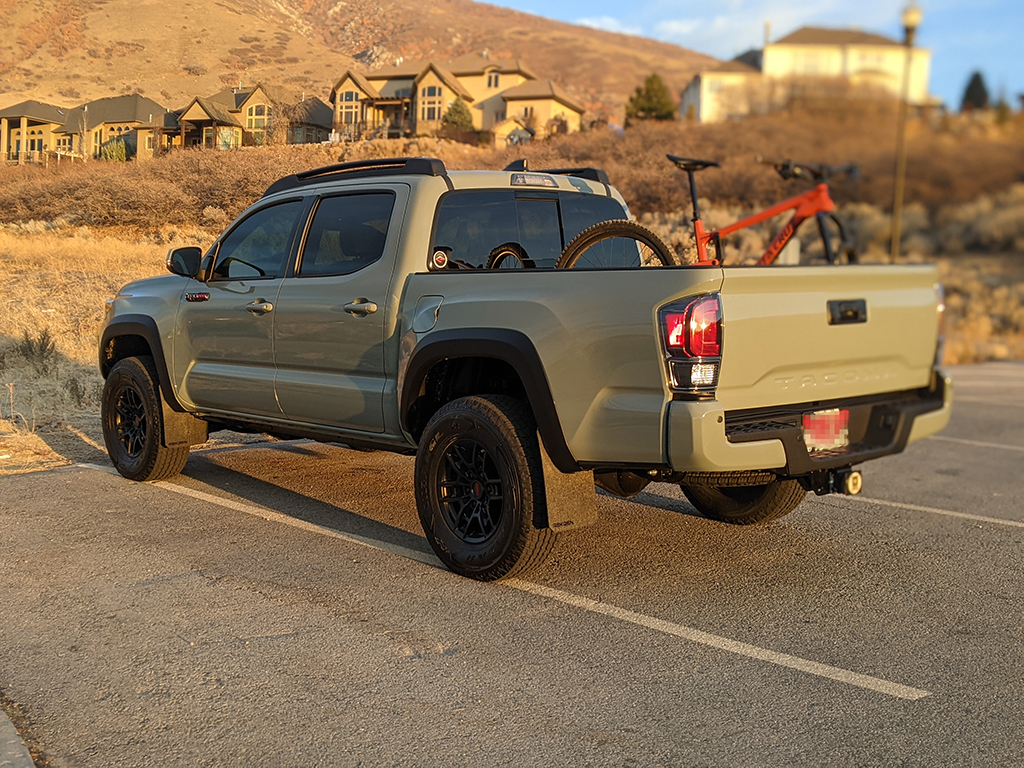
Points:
[(608, 230)]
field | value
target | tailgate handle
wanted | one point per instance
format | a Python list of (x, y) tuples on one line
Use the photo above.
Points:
[(847, 311)]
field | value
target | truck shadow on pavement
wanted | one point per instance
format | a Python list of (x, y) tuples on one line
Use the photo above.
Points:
[(269, 491)]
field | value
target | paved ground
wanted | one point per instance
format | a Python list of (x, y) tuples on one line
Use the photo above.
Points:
[(234, 617)]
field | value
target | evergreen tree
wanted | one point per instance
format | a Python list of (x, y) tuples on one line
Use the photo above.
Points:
[(458, 116), (652, 102), (976, 94)]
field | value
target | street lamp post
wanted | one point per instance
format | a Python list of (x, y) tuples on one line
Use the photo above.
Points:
[(911, 21)]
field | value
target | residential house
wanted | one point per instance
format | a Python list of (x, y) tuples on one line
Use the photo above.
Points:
[(760, 79), (27, 130), (134, 119), (252, 116), (545, 107), (412, 98)]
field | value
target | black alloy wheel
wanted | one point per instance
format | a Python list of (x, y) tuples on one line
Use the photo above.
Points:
[(130, 420), (471, 491)]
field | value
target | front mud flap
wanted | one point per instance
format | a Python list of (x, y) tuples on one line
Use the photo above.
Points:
[(571, 498)]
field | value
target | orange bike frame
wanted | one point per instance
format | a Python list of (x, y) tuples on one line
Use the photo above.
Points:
[(810, 203)]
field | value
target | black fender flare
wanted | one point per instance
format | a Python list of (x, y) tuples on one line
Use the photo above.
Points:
[(145, 327), (512, 347)]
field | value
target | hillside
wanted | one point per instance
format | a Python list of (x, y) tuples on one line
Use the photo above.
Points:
[(68, 51)]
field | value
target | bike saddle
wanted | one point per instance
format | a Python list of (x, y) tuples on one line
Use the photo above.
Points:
[(692, 164)]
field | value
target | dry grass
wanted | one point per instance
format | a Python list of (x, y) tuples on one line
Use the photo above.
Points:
[(947, 168)]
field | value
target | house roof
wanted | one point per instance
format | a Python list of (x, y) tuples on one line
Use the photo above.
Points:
[(478, 63), (826, 36), (36, 110), (133, 108), (734, 65), (447, 78), (407, 69), (215, 110), (541, 89), (312, 111), (361, 82)]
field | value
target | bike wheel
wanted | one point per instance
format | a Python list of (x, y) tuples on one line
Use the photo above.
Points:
[(509, 256), (617, 243)]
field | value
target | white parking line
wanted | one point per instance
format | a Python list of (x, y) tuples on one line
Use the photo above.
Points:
[(277, 517), (977, 443), (934, 511), (584, 603), (722, 643)]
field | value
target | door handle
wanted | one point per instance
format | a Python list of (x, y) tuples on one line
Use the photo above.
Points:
[(260, 307), (361, 307)]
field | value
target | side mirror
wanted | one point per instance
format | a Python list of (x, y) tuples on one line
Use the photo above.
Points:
[(184, 261)]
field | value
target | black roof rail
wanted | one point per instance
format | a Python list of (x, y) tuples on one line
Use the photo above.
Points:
[(357, 169), (592, 174)]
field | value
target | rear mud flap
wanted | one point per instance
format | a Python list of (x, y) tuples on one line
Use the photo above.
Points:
[(571, 498)]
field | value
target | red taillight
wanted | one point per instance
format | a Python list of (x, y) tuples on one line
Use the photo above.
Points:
[(695, 331), (705, 323)]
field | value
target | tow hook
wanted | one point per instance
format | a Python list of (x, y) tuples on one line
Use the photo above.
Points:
[(848, 482)]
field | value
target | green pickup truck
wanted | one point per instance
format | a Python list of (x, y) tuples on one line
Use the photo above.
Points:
[(369, 304)]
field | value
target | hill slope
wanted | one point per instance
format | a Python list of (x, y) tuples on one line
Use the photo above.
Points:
[(72, 50)]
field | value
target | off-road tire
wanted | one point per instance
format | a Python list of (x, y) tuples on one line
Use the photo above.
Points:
[(474, 451), (660, 254), (132, 416), (746, 505)]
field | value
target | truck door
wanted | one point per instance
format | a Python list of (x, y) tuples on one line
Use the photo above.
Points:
[(223, 347), (331, 319)]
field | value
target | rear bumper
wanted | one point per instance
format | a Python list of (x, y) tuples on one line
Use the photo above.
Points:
[(702, 437)]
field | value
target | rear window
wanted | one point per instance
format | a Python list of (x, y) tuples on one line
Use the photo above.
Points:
[(474, 223)]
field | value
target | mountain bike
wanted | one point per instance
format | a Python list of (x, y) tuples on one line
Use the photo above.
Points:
[(815, 203)]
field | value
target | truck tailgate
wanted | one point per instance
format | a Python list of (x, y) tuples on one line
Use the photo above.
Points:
[(805, 334)]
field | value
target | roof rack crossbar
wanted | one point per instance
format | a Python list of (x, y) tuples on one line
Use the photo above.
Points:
[(387, 166)]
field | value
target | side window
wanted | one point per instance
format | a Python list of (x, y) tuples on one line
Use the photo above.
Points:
[(258, 247), (347, 234), (539, 232)]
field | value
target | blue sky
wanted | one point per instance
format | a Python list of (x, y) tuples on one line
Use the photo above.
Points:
[(962, 35)]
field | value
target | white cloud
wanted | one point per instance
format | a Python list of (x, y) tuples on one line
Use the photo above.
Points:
[(609, 24), (673, 28)]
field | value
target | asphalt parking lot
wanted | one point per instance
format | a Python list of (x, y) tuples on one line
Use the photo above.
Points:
[(278, 606)]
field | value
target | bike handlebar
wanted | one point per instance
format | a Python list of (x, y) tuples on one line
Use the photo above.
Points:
[(788, 169)]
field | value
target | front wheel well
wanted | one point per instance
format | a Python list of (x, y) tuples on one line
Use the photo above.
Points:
[(120, 347), (452, 378)]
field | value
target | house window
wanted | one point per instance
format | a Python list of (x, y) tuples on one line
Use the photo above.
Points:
[(149, 141), (527, 111), (492, 79), (256, 117), (430, 106), (350, 96)]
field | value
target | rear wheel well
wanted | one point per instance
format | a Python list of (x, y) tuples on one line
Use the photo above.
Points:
[(120, 347), (452, 378)]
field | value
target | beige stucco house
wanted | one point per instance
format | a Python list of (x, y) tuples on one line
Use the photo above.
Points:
[(758, 80), (27, 130), (134, 119), (255, 115), (412, 98)]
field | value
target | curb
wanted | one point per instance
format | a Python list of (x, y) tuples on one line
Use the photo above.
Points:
[(13, 752)]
